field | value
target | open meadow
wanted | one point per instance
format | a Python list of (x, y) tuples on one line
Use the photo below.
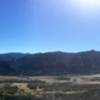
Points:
[(66, 87)]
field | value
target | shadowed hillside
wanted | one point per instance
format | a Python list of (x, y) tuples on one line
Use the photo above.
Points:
[(52, 63)]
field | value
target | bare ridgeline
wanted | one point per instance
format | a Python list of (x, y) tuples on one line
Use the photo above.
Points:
[(50, 76)]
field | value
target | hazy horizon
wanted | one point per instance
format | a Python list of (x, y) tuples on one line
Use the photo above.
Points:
[(20, 52)]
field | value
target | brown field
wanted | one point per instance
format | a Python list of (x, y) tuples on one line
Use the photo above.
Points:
[(54, 87)]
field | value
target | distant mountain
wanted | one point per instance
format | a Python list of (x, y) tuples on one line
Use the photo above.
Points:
[(51, 63), (11, 56)]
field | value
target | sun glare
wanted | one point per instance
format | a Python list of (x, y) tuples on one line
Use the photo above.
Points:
[(87, 5)]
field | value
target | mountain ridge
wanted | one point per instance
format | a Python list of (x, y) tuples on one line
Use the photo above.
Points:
[(50, 63)]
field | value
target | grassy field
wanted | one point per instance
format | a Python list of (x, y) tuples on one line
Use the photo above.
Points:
[(66, 87)]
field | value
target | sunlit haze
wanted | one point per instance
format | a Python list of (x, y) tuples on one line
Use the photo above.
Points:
[(87, 5)]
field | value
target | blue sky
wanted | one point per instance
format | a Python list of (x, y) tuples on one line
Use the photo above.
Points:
[(49, 25)]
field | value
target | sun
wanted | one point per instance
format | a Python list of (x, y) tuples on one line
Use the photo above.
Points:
[(86, 5)]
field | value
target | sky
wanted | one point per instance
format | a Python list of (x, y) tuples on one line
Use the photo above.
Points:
[(49, 25)]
